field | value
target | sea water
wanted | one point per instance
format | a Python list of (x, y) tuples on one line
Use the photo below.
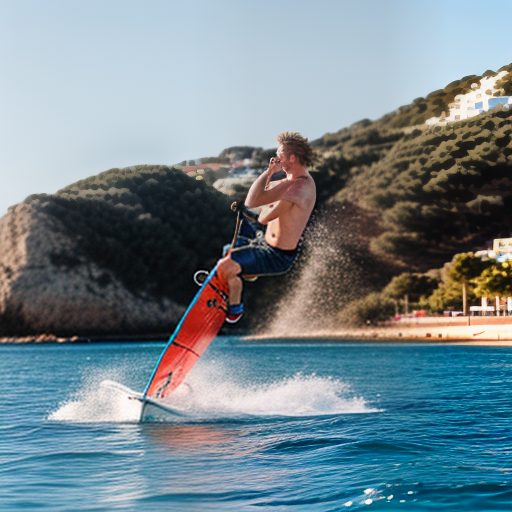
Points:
[(270, 426)]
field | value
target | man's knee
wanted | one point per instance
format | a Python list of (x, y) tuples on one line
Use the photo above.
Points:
[(228, 268)]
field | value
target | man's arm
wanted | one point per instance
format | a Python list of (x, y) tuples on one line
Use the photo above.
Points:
[(273, 210), (259, 196)]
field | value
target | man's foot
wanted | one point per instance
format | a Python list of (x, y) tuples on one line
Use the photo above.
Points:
[(235, 313)]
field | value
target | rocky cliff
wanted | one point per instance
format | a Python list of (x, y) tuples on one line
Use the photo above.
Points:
[(41, 291)]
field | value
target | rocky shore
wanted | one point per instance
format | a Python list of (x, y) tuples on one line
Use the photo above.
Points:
[(52, 338)]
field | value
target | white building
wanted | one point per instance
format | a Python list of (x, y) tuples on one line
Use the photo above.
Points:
[(501, 251), (481, 98), (502, 247)]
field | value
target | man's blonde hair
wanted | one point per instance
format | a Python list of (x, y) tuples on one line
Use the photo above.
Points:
[(295, 144)]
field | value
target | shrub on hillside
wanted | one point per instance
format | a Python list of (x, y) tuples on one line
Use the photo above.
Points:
[(371, 309)]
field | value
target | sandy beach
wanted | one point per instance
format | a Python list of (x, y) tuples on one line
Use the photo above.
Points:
[(492, 331), (472, 329), (475, 334)]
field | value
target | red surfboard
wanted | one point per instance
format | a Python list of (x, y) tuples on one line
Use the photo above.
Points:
[(197, 328)]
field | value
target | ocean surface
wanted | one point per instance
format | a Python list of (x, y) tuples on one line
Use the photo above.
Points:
[(269, 426)]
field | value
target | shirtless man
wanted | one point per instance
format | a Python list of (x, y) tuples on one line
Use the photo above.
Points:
[(286, 207)]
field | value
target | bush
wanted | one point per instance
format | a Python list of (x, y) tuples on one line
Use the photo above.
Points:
[(371, 309)]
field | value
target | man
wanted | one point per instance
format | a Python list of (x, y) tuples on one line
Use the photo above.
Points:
[(286, 207)]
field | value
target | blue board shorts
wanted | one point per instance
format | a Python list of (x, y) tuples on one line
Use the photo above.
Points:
[(257, 257)]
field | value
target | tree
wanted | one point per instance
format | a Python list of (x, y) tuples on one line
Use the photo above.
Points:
[(410, 286), (495, 280), (464, 268), (446, 296)]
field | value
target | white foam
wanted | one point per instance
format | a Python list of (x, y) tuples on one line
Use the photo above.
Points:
[(209, 393), (95, 403), (213, 393)]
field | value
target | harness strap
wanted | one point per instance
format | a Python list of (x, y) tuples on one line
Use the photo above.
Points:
[(240, 210)]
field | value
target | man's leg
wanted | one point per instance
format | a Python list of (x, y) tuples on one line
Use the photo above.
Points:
[(229, 270)]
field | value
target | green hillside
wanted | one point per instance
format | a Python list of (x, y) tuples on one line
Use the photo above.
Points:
[(435, 190), (149, 226), (442, 190)]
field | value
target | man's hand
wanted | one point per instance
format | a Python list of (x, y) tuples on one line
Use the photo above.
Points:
[(274, 166), (260, 193)]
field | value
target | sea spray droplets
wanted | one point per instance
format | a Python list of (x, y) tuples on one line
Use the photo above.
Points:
[(328, 279), (298, 395)]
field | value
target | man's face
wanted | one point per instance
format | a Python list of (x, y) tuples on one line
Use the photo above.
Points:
[(284, 158)]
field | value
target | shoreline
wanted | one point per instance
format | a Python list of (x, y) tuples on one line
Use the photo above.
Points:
[(460, 330)]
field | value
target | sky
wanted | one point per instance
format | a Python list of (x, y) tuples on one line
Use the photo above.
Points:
[(86, 86)]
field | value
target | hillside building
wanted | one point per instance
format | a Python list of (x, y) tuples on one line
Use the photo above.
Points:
[(481, 98)]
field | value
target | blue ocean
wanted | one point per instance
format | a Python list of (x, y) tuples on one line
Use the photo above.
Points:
[(279, 426)]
